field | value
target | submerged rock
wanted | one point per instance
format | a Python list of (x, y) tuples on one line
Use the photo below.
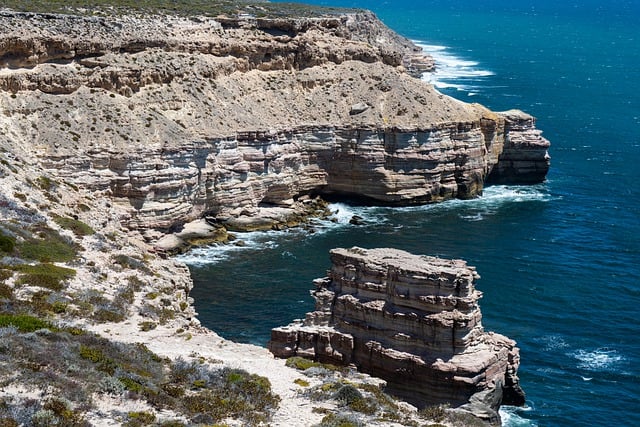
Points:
[(413, 321)]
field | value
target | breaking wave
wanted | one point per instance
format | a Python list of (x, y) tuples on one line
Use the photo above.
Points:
[(213, 254), (510, 416), (453, 72)]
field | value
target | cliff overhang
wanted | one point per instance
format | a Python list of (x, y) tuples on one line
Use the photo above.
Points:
[(177, 118)]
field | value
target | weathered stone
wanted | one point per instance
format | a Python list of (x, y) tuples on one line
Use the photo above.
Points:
[(411, 320), (178, 118), (358, 108)]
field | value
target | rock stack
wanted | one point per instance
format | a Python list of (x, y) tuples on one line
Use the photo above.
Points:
[(411, 320)]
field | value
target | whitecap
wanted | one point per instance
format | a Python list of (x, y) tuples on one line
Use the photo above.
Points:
[(473, 218), (601, 359), (553, 342)]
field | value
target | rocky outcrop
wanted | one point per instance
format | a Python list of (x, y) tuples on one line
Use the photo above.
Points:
[(524, 158), (178, 118), (411, 320)]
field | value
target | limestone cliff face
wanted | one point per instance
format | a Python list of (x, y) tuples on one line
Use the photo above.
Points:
[(177, 118), (411, 320)]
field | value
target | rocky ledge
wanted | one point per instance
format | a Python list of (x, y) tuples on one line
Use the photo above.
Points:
[(177, 118), (413, 321)]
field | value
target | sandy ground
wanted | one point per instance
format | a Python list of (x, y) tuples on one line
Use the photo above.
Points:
[(294, 410)]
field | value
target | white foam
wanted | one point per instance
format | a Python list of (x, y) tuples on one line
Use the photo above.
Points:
[(341, 213), (472, 210), (601, 359), (553, 342), (214, 254), (452, 71), (511, 417), (492, 199)]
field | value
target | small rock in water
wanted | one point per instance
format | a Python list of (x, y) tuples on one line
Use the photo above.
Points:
[(357, 220)]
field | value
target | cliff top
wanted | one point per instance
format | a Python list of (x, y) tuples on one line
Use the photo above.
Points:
[(256, 8)]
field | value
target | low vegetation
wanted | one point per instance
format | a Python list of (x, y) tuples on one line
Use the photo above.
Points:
[(355, 402), (257, 8), (44, 275), (37, 242), (303, 364), (74, 366), (78, 228)]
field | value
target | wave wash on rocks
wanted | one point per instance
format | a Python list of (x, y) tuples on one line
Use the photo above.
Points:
[(178, 118), (413, 321)]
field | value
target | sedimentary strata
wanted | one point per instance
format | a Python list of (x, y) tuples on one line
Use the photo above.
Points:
[(178, 118), (411, 320)]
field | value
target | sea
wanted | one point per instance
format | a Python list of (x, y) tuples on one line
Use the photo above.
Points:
[(559, 261)]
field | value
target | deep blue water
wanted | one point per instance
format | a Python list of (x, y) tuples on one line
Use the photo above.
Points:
[(560, 262)]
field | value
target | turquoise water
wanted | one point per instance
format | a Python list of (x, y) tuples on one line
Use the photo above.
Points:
[(559, 261)]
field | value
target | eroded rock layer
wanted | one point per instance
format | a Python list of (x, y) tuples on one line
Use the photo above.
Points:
[(411, 320), (178, 118)]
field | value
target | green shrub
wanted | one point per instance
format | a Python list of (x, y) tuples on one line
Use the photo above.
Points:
[(333, 420), (95, 355), (44, 275), (147, 326), (365, 405), (135, 284), (23, 322), (78, 228), (48, 246), (348, 394), (112, 315), (8, 422), (63, 410), (139, 419), (7, 243), (303, 364), (173, 423), (301, 382), (44, 183), (131, 384), (6, 291), (436, 413), (131, 263), (59, 307), (5, 274)]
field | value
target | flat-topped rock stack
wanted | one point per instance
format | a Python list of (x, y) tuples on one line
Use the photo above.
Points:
[(411, 320)]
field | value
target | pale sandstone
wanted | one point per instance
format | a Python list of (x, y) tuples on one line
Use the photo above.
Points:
[(180, 118), (411, 320), (162, 121)]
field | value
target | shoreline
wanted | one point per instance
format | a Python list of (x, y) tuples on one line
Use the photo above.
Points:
[(106, 150)]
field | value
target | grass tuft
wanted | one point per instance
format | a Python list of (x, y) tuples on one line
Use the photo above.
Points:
[(44, 275), (77, 227), (24, 323), (303, 364)]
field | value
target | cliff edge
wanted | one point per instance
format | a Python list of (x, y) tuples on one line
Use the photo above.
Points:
[(177, 118), (125, 133)]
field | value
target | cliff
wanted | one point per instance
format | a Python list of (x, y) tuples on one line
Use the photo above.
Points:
[(413, 321), (121, 127), (177, 118)]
